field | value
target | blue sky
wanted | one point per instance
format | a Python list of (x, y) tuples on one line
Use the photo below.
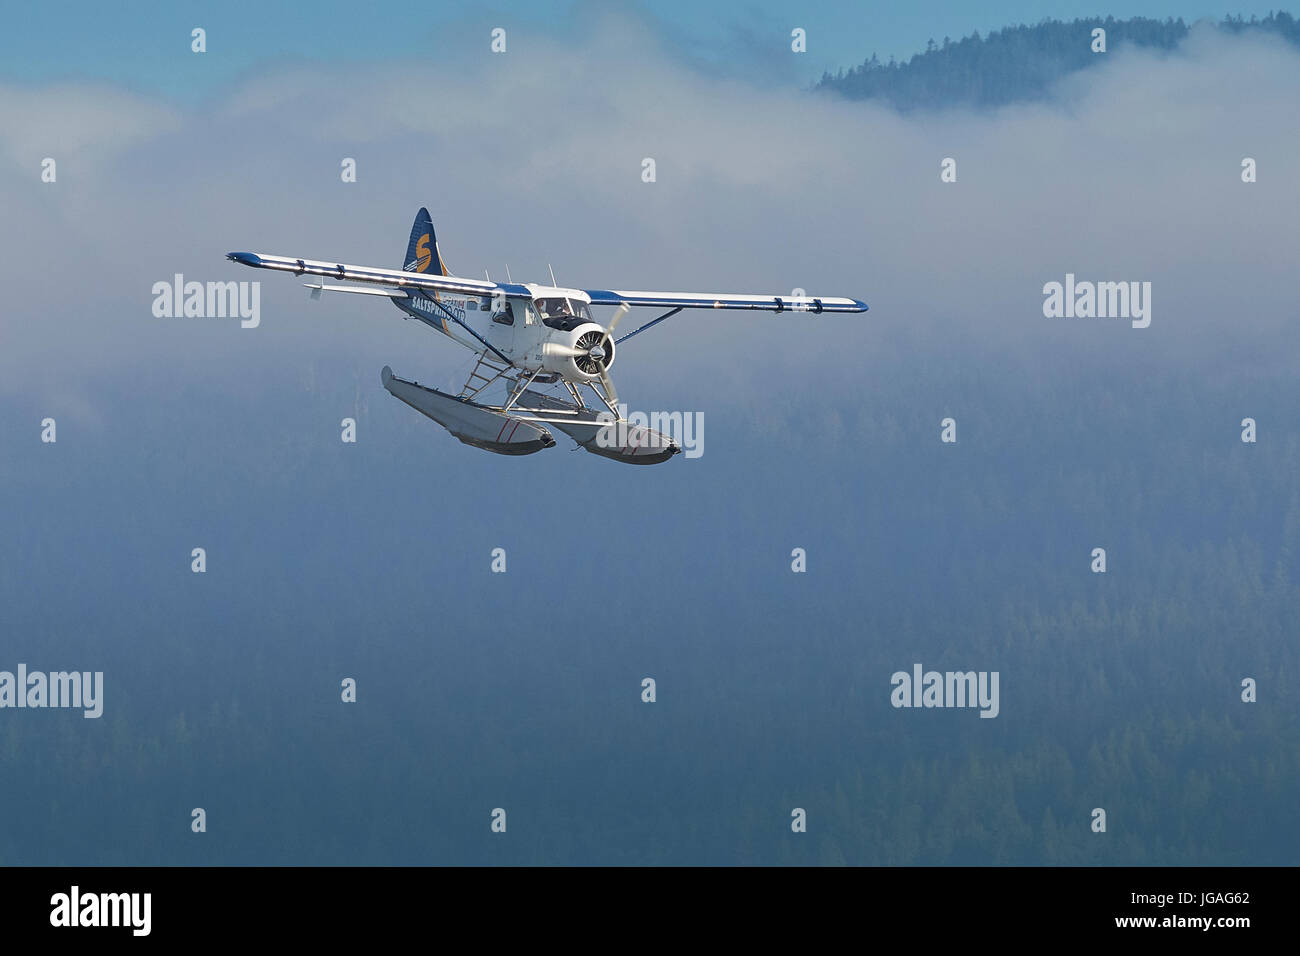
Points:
[(146, 46)]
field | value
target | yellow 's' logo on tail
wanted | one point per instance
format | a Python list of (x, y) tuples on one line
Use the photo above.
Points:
[(423, 256)]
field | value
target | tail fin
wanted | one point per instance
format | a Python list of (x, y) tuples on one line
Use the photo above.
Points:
[(422, 253)]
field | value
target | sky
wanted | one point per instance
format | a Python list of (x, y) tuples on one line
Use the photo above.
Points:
[(146, 46), (326, 559), (1115, 176)]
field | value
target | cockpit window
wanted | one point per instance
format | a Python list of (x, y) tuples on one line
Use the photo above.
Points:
[(553, 308), (561, 313)]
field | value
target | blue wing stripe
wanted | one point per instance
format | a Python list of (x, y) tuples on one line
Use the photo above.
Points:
[(695, 300)]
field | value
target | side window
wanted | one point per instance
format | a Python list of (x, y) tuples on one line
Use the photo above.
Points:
[(507, 317)]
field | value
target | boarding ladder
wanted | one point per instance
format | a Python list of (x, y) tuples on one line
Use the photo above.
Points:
[(479, 375)]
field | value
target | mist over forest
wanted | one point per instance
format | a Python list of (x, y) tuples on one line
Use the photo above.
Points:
[(1021, 63), (476, 690)]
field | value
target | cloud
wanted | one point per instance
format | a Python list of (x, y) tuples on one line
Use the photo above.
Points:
[(1131, 172), (75, 122)]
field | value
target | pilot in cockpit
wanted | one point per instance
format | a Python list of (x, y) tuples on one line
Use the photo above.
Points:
[(557, 308)]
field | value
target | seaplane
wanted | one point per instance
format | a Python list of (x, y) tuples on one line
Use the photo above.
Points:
[(538, 344)]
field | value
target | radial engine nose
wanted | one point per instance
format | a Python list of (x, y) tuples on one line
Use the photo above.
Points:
[(580, 355)]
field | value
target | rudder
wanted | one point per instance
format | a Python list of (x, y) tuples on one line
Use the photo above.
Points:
[(422, 253)]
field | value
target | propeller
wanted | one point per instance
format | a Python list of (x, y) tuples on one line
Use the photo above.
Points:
[(589, 355), (610, 393), (621, 311), (592, 351), (568, 351)]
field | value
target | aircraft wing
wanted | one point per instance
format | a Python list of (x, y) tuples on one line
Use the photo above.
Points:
[(712, 300), (407, 281), (391, 278)]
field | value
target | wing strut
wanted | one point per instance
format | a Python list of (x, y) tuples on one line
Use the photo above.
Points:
[(666, 315), (452, 315)]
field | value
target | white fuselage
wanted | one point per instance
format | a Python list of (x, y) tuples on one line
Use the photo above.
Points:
[(549, 330)]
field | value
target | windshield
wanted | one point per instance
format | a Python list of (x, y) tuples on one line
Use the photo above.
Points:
[(561, 313)]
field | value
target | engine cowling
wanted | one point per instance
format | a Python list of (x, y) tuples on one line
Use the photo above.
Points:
[(579, 354)]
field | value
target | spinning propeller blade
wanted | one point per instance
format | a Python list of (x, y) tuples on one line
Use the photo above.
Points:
[(621, 311), (610, 392), (568, 351)]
